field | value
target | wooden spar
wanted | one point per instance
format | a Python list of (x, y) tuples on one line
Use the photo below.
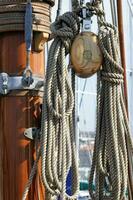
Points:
[(123, 59), (122, 47), (18, 110)]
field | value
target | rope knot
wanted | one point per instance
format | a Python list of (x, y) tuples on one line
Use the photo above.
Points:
[(66, 27)]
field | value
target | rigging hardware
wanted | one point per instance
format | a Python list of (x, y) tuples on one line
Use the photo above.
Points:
[(11, 83), (27, 74), (86, 55), (86, 19), (4, 78), (12, 17), (85, 15), (32, 133)]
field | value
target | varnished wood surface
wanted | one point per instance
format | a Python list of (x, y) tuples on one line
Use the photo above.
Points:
[(16, 114), (13, 55), (86, 56)]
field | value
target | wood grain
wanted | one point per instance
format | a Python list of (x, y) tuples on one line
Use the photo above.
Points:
[(16, 114), (86, 55)]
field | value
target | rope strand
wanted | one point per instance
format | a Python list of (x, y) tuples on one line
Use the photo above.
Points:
[(110, 157)]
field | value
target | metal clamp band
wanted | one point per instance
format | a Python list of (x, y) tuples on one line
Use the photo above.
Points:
[(8, 83)]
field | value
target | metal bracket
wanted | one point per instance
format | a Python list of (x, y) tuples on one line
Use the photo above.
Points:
[(86, 19), (32, 133), (8, 83), (87, 24), (86, 16), (4, 78)]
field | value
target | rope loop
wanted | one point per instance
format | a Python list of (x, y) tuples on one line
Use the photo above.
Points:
[(57, 129), (110, 158), (66, 28)]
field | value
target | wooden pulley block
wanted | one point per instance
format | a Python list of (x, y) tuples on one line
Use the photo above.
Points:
[(86, 56)]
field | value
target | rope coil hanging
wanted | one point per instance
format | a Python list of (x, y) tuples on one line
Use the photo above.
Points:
[(111, 159), (113, 149), (57, 150)]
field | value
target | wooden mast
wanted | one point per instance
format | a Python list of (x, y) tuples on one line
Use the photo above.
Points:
[(19, 110)]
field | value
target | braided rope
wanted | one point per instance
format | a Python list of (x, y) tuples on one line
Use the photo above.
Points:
[(57, 149), (75, 5), (110, 162)]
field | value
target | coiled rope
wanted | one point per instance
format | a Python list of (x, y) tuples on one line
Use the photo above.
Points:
[(57, 149), (12, 15), (113, 149)]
